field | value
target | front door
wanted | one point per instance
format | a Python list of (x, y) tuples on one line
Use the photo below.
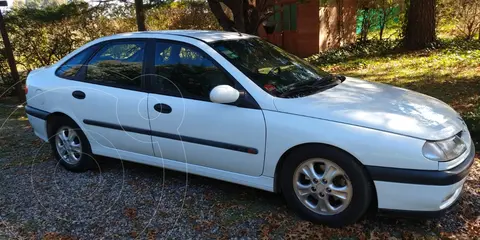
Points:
[(186, 126)]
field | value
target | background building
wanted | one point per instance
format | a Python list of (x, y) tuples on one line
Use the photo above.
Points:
[(308, 27)]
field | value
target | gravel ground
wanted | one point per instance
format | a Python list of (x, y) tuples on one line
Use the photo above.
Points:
[(41, 200)]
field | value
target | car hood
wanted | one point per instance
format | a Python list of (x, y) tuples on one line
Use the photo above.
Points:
[(378, 106)]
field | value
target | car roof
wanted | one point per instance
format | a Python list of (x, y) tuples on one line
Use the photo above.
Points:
[(203, 35)]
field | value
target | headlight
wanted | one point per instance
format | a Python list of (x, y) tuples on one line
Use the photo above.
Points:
[(444, 150)]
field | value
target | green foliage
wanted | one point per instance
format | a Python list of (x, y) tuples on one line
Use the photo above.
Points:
[(359, 49), (461, 18), (42, 32), (41, 36), (458, 45), (37, 3), (182, 15), (375, 48), (50, 13), (379, 17), (472, 119)]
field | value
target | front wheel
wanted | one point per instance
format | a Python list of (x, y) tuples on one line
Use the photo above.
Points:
[(325, 185)]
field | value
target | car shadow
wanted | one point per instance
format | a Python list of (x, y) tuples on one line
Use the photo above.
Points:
[(263, 203)]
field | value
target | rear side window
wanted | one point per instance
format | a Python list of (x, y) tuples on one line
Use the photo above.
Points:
[(117, 64), (70, 68)]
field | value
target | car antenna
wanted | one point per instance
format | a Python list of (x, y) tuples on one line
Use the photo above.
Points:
[(239, 33)]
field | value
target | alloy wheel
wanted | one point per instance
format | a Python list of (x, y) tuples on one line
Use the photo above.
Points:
[(322, 186), (68, 145)]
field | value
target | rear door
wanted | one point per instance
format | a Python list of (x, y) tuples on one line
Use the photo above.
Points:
[(188, 127), (110, 101)]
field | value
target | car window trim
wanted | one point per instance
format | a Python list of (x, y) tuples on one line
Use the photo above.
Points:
[(81, 74), (116, 41), (82, 63), (247, 101), (187, 45)]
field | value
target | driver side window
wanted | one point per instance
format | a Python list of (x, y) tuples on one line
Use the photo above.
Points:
[(184, 71)]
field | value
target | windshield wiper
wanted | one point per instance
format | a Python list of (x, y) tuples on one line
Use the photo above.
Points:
[(341, 77), (297, 91), (301, 84), (316, 84)]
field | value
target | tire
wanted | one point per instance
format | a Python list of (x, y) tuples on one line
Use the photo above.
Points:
[(358, 197), (83, 154)]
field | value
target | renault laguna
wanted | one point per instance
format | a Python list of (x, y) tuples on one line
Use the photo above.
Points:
[(233, 107)]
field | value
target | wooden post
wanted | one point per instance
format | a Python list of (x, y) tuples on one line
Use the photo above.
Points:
[(11, 59)]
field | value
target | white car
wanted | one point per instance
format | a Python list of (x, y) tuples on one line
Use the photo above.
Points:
[(233, 107)]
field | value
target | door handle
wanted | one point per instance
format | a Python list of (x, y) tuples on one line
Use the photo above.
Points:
[(78, 94), (163, 108)]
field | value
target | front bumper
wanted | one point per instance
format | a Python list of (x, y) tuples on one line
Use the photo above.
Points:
[(425, 192)]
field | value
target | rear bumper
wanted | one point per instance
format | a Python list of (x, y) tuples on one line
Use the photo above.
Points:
[(37, 119), (420, 192)]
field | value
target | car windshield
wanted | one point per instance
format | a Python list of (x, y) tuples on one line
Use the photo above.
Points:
[(277, 72)]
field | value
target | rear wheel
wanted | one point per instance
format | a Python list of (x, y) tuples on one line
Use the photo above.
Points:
[(71, 147), (325, 185)]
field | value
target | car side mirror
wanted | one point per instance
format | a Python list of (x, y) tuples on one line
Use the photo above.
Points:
[(224, 94)]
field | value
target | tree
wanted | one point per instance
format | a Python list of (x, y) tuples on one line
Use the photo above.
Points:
[(247, 14), (420, 30), (11, 60), (376, 15), (467, 17), (38, 3), (182, 15), (387, 10), (140, 15), (366, 17), (365, 9)]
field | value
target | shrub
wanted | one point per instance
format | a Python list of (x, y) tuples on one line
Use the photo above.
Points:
[(458, 44), (359, 49), (472, 119)]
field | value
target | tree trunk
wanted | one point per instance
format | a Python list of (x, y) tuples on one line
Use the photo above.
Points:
[(420, 31), (383, 22), (246, 17), (11, 62), (381, 32), (222, 18), (365, 25), (140, 14)]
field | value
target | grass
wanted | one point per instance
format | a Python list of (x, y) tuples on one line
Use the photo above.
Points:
[(444, 30), (452, 76), (17, 147)]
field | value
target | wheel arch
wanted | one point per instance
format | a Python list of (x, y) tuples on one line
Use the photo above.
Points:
[(280, 163), (52, 119)]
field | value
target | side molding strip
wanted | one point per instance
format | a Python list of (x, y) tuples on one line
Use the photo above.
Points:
[(36, 112), (200, 141)]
